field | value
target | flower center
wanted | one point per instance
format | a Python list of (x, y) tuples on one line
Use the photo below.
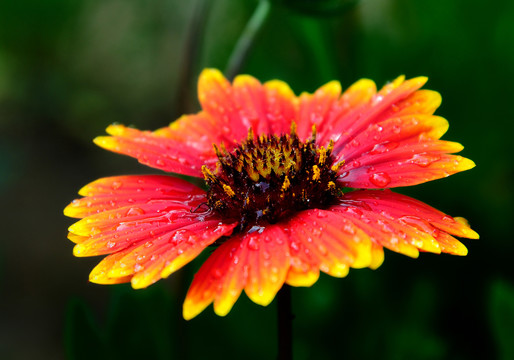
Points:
[(267, 178)]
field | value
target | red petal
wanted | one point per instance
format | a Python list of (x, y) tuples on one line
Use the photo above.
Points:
[(403, 224), (319, 109), (152, 225), (400, 206), (155, 149), (256, 261), (350, 123), (124, 191), (393, 140), (324, 240)]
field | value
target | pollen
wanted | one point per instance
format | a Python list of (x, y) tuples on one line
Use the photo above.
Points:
[(228, 190), (316, 173), (266, 178), (286, 184)]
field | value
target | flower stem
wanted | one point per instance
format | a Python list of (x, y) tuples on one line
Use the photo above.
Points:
[(247, 38), (285, 324), (191, 51)]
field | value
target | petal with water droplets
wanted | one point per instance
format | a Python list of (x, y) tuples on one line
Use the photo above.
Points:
[(256, 262)]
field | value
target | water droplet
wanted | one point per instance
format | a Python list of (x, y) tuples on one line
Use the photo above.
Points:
[(191, 240), (253, 244), (377, 99), (424, 160), (383, 147), (116, 185), (159, 162), (206, 294), (447, 218), (321, 214), (380, 179), (295, 246), (110, 244), (322, 249), (217, 273), (148, 244), (266, 255), (135, 211)]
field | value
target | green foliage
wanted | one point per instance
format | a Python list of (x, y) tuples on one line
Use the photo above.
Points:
[(501, 315)]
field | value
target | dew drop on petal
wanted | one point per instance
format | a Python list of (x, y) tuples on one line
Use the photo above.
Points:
[(253, 244), (383, 147), (217, 273), (424, 160), (447, 218), (206, 294), (321, 214), (110, 244), (380, 179), (159, 162), (135, 211), (116, 185)]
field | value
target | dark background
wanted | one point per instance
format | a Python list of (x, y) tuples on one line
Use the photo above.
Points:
[(70, 68)]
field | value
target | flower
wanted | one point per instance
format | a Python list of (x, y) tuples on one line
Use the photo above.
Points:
[(279, 207)]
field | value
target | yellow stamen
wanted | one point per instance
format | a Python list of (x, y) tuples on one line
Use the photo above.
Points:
[(322, 155), (228, 190), (207, 174), (317, 173), (217, 151), (336, 167), (286, 184), (331, 185), (314, 132), (330, 146), (250, 134)]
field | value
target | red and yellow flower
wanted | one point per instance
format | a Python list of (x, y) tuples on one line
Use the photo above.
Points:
[(279, 205)]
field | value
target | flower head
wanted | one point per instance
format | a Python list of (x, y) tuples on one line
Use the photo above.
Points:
[(279, 203)]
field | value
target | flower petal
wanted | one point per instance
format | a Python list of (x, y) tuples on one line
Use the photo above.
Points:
[(400, 206), (255, 261), (393, 140), (326, 241), (155, 149), (348, 124), (124, 191), (403, 224), (318, 109), (152, 225), (144, 263)]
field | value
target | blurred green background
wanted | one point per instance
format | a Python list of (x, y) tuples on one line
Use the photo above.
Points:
[(70, 68)]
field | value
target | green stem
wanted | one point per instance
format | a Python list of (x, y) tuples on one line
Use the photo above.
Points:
[(190, 57), (247, 38), (285, 324)]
